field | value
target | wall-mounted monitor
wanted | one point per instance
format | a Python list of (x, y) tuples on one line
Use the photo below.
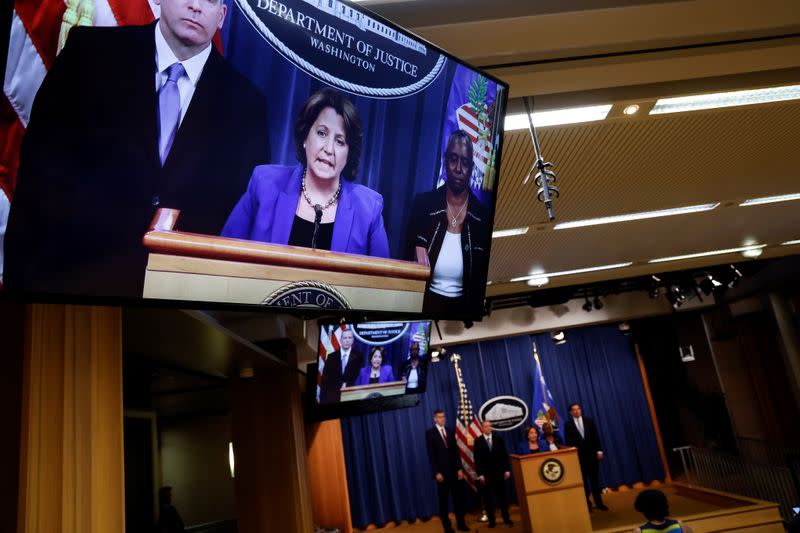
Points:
[(293, 154), (368, 366)]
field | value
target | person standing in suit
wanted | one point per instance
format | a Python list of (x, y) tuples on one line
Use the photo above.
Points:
[(447, 470), (341, 369), (413, 371), (494, 469), (127, 120), (581, 432)]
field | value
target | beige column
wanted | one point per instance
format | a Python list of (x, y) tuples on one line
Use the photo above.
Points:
[(327, 476), (270, 453), (71, 446)]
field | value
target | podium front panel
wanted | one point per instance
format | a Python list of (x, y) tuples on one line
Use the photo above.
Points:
[(550, 491), (213, 280)]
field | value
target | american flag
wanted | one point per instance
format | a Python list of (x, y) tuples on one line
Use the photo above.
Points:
[(469, 123), (329, 338), (468, 428)]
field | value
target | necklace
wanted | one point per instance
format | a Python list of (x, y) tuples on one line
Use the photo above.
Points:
[(454, 220), (330, 202)]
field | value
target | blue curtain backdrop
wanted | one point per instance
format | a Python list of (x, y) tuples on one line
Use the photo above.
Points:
[(387, 467), (402, 137)]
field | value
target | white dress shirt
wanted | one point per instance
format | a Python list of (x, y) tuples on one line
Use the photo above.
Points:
[(413, 379), (579, 425), (448, 272), (193, 67), (345, 358)]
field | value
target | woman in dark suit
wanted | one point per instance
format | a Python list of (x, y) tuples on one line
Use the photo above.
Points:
[(551, 441), (315, 204), (450, 231), (376, 372), (531, 443)]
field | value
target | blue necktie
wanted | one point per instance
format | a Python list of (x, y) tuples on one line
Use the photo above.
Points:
[(169, 109)]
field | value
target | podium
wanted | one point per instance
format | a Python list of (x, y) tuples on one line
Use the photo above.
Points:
[(550, 491), (376, 390), (188, 266)]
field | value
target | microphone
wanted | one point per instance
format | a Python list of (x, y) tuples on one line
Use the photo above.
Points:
[(317, 220)]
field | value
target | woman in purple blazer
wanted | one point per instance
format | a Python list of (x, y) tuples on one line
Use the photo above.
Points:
[(376, 372), (315, 204)]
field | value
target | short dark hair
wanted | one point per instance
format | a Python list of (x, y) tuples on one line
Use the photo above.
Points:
[(315, 104), (438, 411), (528, 430), (653, 504), (459, 136), (573, 405)]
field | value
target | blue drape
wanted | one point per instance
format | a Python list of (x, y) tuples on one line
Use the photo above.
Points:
[(387, 467)]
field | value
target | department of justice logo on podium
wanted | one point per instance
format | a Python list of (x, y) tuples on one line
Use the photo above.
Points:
[(552, 471), (307, 295)]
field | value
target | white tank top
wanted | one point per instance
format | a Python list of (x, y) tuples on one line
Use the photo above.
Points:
[(448, 273)]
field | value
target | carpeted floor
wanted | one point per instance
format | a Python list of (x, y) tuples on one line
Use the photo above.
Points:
[(621, 513)]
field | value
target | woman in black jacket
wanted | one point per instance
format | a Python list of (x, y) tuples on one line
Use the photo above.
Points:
[(450, 231)]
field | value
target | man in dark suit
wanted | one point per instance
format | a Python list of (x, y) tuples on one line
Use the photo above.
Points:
[(494, 469), (128, 120), (341, 369), (447, 470), (581, 432)]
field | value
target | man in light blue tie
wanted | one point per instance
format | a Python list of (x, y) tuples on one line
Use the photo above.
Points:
[(581, 432), (127, 120)]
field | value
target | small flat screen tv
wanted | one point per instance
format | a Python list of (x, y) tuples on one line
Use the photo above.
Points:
[(285, 153), (369, 366)]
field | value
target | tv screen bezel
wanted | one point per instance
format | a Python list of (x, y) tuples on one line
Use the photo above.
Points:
[(467, 315)]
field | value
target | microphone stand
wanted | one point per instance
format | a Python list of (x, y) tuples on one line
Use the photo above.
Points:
[(317, 220)]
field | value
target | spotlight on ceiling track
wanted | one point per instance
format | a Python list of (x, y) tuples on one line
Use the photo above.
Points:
[(624, 328), (559, 337), (468, 324), (654, 293), (587, 306), (597, 303), (734, 276), (709, 284)]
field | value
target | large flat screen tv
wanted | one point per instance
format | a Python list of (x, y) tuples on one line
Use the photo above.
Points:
[(294, 153), (368, 366)]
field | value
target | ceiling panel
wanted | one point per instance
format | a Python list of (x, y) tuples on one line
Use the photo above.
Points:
[(647, 163)]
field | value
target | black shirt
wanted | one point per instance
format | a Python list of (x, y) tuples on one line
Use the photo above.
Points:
[(303, 232)]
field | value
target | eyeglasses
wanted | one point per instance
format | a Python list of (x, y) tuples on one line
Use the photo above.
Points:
[(453, 160)]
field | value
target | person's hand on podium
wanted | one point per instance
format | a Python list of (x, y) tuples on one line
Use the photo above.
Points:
[(422, 256), (506, 475), (600, 456), (439, 478), (460, 475), (482, 480)]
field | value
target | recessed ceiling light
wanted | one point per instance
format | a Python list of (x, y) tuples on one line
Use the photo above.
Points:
[(636, 216), (538, 281), (572, 115), (790, 243), (570, 272), (510, 232), (726, 99), (771, 199), (706, 254), (631, 109)]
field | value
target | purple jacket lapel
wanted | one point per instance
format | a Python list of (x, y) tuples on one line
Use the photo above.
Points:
[(286, 207), (344, 219)]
